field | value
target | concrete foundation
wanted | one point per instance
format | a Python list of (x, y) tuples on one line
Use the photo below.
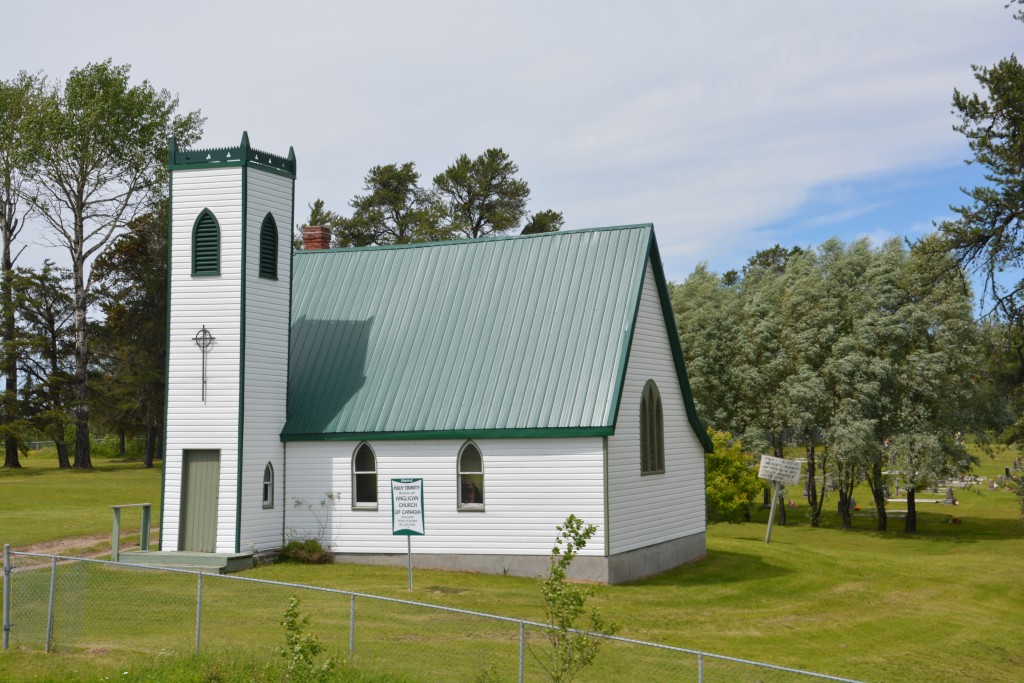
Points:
[(620, 568)]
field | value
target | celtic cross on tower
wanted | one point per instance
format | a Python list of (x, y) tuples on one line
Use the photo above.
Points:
[(203, 340)]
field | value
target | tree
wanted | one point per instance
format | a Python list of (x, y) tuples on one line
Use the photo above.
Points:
[(320, 217), (987, 235), (548, 220), (482, 196), (705, 302), (394, 210), (47, 316), (18, 139), (571, 650), (731, 482), (101, 163), (840, 350), (130, 348)]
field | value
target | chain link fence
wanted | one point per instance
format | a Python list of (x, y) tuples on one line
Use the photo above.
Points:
[(62, 603)]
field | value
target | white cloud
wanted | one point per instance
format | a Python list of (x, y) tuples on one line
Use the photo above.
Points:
[(709, 120)]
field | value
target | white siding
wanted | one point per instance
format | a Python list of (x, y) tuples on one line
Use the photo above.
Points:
[(648, 509), (266, 360), (530, 486), (213, 301)]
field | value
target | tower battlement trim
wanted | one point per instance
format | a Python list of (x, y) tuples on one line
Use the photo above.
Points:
[(219, 157)]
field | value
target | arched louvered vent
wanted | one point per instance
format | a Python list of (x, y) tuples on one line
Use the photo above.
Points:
[(268, 248), (206, 245)]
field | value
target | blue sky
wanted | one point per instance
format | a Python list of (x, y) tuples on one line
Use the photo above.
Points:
[(729, 125)]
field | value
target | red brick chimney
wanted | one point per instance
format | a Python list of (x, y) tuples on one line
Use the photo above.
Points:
[(316, 237)]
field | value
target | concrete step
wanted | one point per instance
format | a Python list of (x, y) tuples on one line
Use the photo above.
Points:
[(223, 563)]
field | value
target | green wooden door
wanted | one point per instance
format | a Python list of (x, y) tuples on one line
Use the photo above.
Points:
[(200, 480)]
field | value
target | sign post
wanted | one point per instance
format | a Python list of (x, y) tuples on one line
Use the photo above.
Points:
[(778, 471), (407, 512)]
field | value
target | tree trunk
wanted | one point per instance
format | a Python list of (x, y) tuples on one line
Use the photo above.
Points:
[(10, 353), (147, 458), (120, 443), (911, 524), (844, 507), (83, 456), (877, 484), (11, 452), (777, 445), (812, 487), (63, 461)]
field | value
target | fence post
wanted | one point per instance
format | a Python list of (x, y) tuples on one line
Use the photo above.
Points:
[(700, 667), (352, 628), (115, 546), (199, 608), (7, 595), (522, 649), (49, 611)]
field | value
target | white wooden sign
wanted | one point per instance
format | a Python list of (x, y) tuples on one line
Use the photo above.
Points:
[(407, 507), (779, 469)]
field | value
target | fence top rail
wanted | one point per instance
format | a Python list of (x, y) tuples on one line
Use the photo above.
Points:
[(132, 505), (442, 608)]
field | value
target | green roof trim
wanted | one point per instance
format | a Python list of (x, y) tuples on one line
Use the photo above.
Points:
[(453, 434), (219, 157), (506, 337), (677, 351)]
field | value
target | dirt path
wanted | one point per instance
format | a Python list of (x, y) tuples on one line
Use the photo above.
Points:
[(96, 545)]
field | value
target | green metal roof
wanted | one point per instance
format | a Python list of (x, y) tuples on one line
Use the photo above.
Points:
[(501, 337)]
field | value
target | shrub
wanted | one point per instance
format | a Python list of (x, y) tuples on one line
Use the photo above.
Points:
[(731, 480), (302, 651), (306, 552)]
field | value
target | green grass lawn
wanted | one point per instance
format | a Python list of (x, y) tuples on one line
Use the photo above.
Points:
[(41, 503), (942, 605)]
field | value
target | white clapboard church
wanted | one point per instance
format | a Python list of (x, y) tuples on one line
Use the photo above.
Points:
[(522, 379)]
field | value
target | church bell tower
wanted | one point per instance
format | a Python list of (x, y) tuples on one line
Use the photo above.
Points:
[(231, 212)]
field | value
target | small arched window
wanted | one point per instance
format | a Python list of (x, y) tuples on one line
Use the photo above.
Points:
[(652, 430), (364, 477), (268, 487), (471, 478), (268, 248), (206, 244)]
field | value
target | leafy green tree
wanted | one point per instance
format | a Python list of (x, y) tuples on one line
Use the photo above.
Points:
[(705, 302), (101, 163), (564, 603), (130, 280), (544, 221), (732, 486), (987, 235), (47, 315), (482, 196), (394, 210), (18, 99)]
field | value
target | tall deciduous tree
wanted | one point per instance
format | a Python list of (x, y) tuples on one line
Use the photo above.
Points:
[(482, 196), (18, 139), (101, 162), (841, 350)]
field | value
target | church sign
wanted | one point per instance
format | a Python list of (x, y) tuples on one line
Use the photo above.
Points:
[(778, 471), (407, 507)]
